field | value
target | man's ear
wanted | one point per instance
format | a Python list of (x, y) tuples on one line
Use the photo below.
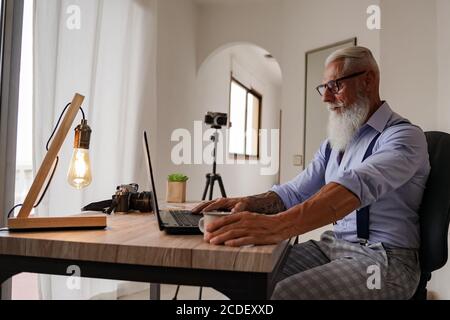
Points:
[(370, 78)]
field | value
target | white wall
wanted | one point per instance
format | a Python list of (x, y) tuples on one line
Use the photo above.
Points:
[(443, 59), (176, 76), (408, 59)]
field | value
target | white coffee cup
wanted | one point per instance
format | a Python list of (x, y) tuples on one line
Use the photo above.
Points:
[(209, 217)]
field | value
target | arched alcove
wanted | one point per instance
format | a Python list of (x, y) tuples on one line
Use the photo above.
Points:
[(237, 44), (258, 71)]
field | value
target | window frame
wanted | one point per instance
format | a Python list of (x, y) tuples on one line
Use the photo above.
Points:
[(10, 55), (259, 96)]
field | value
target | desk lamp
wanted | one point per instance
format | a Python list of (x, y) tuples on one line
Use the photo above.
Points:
[(79, 176)]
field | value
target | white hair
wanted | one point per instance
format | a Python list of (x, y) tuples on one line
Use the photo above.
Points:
[(355, 59)]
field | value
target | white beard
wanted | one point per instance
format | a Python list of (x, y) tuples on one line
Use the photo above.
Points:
[(343, 126)]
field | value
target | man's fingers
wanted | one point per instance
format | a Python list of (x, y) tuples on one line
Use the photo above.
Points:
[(227, 236), (208, 205), (201, 206), (213, 206), (223, 222), (223, 203), (239, 242), (239, 207), (251, 241), (206, 236)]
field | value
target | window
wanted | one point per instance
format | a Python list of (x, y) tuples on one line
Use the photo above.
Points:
[(245, 110), (25, 285), (24, 157)]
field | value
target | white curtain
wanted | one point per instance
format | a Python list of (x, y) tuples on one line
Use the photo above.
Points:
[(104, 50)]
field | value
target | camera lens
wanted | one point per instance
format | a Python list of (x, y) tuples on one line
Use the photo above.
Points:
[(221, 121), (216, 119), (141, 201)]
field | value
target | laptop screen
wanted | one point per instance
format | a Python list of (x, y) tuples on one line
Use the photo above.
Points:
[(152, 181)]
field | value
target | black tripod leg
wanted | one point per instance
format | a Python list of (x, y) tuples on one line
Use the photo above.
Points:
[(206, 188), (222, 188), (211, 185)]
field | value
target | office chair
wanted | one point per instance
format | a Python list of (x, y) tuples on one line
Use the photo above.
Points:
[(435, 211)]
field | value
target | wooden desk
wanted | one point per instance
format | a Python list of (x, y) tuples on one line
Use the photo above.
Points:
[(133, 249)]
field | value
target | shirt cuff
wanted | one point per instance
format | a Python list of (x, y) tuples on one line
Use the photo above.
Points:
[(289, 200), (351, 181)]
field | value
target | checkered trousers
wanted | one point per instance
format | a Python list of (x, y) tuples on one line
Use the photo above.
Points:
[(341, 270)]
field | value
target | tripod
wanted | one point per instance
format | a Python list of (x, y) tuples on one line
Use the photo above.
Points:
[(211, 178)]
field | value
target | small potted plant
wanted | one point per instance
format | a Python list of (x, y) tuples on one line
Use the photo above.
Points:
[(176, 188)]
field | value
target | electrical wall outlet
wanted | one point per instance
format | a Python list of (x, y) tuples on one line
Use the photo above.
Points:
[(298, 160)]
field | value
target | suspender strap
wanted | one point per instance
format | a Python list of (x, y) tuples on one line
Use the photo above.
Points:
[(362, 215), (327, 154)]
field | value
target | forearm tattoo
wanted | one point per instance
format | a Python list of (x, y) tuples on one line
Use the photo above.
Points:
[(269, 203)]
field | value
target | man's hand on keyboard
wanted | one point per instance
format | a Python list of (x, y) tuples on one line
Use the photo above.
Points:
[(229, 204), (248, 228)]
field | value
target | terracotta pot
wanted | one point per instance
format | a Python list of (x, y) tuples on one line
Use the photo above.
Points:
[(176, 192)]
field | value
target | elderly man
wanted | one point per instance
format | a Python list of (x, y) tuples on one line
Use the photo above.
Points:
[(367, 178)]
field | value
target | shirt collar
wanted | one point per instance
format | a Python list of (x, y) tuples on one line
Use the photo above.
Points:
[(380, 118)]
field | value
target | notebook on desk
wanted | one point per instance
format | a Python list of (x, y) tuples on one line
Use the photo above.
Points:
[(171, 221)]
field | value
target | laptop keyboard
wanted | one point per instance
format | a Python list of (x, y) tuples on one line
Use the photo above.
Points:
[(185, 218)]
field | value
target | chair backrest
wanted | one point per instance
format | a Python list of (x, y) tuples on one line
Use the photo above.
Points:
[(435, 207)]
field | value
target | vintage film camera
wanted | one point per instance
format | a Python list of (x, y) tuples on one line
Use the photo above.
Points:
[(127, 198)]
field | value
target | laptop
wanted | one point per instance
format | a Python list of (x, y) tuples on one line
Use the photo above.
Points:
[(170, 221)]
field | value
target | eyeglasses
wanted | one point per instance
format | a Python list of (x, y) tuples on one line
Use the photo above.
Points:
[(335, 85)]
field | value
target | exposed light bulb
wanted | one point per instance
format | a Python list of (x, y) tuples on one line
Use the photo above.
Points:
[(79, 175)]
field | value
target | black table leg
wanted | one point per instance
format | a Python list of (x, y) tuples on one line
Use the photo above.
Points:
[(5, 290)]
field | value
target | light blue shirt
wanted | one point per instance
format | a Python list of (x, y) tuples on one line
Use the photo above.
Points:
[(391, 181)]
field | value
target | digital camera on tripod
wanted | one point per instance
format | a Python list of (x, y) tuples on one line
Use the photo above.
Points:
[(216, 120)]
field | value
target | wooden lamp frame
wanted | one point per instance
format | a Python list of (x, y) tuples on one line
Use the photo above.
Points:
[(24, 222)]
